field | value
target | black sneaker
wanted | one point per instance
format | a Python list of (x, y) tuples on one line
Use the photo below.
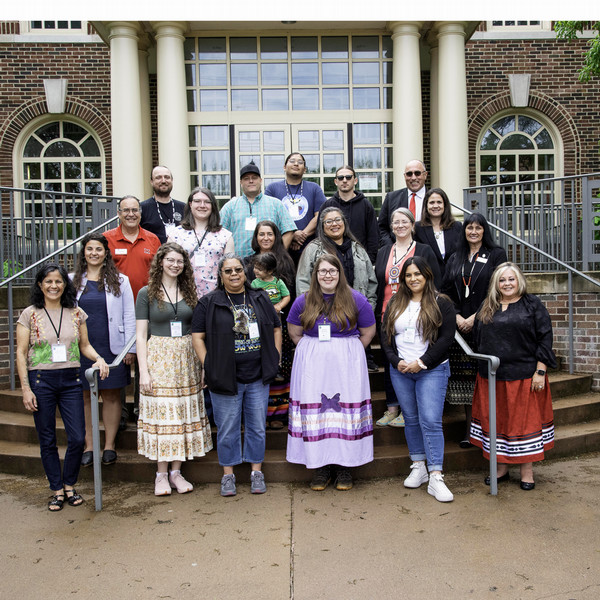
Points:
[(372, 366), (321, 479), (344, 479)]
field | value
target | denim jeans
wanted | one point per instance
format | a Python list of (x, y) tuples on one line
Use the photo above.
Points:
[(390, 393), (252, 399), (62, 388), (421, 397)]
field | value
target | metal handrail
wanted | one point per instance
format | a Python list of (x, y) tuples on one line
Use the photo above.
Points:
[(493, 364), (91, 375)]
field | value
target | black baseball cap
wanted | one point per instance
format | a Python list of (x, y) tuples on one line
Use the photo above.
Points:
[(249, 168)]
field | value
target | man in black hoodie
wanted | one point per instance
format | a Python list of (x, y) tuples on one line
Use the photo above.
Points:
[(359, 212)]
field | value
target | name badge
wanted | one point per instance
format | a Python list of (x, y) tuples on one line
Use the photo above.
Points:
[(176, 329), (250, 224), (121, 251), (59, 353), (170, 228), (325, 332), (253, 331), (481, 259), (294, 211), (199, 259), (409, 335)]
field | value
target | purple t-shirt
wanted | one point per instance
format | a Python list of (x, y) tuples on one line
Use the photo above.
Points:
[(366, 318)]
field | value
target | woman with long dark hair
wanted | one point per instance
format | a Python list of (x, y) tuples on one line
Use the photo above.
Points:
[(51, 336), (106, 297), (417, 331)]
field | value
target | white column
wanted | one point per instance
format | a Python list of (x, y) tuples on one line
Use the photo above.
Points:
[(173, 141), (145, 112), (407, 111), (434, 138), (125, 104), (453, 145)]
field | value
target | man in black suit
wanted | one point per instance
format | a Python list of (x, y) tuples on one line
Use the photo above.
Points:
[(410, 197)]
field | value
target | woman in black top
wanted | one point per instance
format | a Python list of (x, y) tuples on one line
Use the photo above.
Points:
[(466, 281), (516, 327)]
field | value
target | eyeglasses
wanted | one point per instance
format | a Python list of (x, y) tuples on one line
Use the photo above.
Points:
[(201, 201), (325, 272), (129, 211), (330, 222), (415, 173), (346, 177), (236, 270), (293, 161), (174, 261)]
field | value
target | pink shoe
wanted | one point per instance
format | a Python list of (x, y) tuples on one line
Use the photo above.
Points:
[(161, 486), (179, 483)]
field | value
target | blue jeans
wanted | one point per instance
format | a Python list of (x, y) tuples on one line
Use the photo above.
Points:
[(252, 399), (421, 397), (61, 388)]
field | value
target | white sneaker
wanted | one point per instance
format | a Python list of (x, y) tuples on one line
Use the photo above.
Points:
[(388, 417), (438, 488), (161, 485), (418, 475)]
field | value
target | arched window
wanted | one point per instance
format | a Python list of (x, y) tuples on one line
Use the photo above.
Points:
[(62, 156), (516, 148)]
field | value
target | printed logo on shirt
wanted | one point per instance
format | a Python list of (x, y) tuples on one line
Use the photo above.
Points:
[(297, 207), (147, 251)]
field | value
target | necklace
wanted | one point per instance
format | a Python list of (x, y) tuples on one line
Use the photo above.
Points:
[(465, 282), (397, 260), (175, 215), (241, 318)]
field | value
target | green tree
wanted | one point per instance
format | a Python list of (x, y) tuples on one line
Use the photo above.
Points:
[(568, 30)]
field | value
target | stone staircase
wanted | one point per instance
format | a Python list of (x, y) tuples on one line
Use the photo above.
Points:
[(576, 418)]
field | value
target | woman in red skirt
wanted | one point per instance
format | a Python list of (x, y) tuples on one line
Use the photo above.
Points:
[(514, 326)]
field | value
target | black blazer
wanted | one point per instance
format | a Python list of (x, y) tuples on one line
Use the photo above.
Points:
[(392, 201), (380, 264), (480, 280), (425, 235)]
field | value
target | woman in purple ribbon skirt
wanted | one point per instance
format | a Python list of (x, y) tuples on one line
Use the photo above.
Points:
[(330, 418)]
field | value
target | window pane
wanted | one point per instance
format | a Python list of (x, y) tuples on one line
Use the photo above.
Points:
[(244, 74), (246, 159), (249, 141), (193, 135), (89, 147), (308, 140), (365, 46), (333, 139), (369, 182), (193, 160), (388, 97), (304, 47), (526, 162), (546, 162), (191, 96), (388, 158), (215, 160), (273, 163), (387, 46), (305, 73), (367, 158), (242, 48), (507, 163), (365, 72), (507, 178), (48, 132), (213, 99), (32, 148), (213, 75), (273, 141), (335, 73), (332, 162), (544, 141), (212, 48), (273, 47), (73, 170), (367, 133), (61, 149), (505, 125), (31, 171), (190, 74), (52, 170), (334, 47), (93, 170), (516, 141), (387, 72), (488, 163), (305, 99), (529, 125), (274, 73), (217, 184), (93, 187), (189, 49), (387, 133), (366, 98), (244, 99), (488, 180), (73, 132), (329, 186), (313, 163), (214, 135), (73, 188), (275, 100), (489, 141), (336, 99)]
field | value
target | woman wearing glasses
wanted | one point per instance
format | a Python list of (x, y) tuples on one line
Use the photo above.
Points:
[(201, 235), (334, 237), (237, 336), (172, 425), (331, 424)]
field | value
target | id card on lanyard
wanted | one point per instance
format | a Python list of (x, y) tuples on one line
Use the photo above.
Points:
[(59, 351)]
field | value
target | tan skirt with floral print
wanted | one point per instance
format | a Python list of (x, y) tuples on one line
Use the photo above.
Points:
[(172, 423)]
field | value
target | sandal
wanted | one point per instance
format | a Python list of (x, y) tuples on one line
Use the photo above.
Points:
[(74, 499), (56, 501)]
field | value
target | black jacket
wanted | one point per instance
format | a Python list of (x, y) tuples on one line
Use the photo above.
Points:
[(381, 263), (219, 365), (392, 201), (438, 351), (360, 214), (426, 235)]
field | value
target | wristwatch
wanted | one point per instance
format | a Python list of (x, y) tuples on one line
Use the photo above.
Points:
[(541, 372)]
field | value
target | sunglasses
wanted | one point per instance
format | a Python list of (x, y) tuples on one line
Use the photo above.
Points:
[(415, 173), (236, 270), (346, 177)]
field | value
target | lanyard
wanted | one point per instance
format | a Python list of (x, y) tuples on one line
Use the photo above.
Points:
[(395, 260), (199, 241), (57, 331), (173, 306), (296, 195), (467, 284), (160, 215)]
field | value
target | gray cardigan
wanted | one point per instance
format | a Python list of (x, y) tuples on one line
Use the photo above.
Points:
[(365, 281)]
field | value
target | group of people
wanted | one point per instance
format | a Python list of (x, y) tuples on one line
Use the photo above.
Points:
[(262, 314)]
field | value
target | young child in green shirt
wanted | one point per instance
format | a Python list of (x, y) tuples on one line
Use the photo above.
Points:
[(264, 267)]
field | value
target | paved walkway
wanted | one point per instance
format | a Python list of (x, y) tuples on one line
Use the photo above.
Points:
[(378, 540)]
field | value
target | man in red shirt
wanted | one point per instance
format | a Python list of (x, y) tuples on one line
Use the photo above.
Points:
[(132, 247)]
